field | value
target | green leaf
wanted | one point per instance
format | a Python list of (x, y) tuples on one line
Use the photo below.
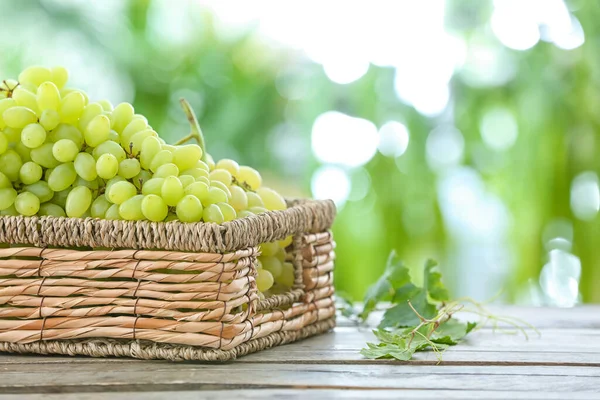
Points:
[(451, 332), (432, 282), (387, 350), (402, 315)]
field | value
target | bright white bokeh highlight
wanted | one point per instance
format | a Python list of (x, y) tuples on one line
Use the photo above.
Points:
[(330, 182), (559, 278), (444, 148), (393, 139), (499, 129), (585, 196)]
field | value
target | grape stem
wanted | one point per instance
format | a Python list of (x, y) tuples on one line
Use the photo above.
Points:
[(196, 132)]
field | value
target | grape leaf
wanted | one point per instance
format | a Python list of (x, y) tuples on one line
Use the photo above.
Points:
[(433, 282), (451, 332)]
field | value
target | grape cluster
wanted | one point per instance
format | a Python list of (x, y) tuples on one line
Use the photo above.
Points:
[(62, 155)]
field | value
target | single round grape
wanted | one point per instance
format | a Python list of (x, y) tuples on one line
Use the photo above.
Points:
[(60, 198), (250, 176), (221, 175), (114, 136), (66, 131), (3, 143), (110, 147), (26, 98), (269, 249), (59, 76), (129, 168), (85, 166), (210, 162), (186, 180), (189, 209), (136, 141), (19, 117), (153, 186), (150, 148), (172, 190), (215, 195), (48, 96), (196, 173), (23, 151), (154, 208), (280, 255), (33, 136), (107, 166), (97, 131), (44, 157), (42, 191), (254, 200), (71, 107), (106, 106), (112, 213), (51, 210), (65, 150), (141, 178), (286, 242), (30, 172), (10, 164), (62, 177), (121, 116), (10, 211), (90, 112), (131, 210), (238, 199), (121, 191), (271, 264), (264, 280), (27, 204), (203, 166), (161, 158), (229, 213), (12, 134), (186, 157), (7, 197), (222, 186), (213, 213), (165, 170), (78, 201), (287, 276), (4, 181), (228, 165), (99, 207), (137, 124), (199, 190), (49, 119), (5, 104), (273, 200), (35, 75)]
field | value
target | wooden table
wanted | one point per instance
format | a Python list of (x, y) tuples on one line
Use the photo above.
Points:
[(563, 363)]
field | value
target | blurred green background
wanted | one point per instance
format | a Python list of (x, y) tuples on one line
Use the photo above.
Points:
[(460, 130)]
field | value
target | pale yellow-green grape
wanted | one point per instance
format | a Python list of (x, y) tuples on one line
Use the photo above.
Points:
[(111, 182), (10, 164), (212, 213), (154, 208), (273, 200), (286, 242), (287, 277), (210, 162), (33, 136), (249, 176), (35, 75), (271, 264), (3, 143), (114, 136), (269, 249), (107, 166), (112, 212), (48, 97), (43, 156), (131, 210), (59, 198), (186, 180), (257, 210), (153, 186), (12, 134), (65, 150), (51, 210), (150, 147), (59, 76), (90, 112), (140, 178), (264, 280), (97, 130), (121, 116), (172, 190), (99, 207), (106, 106), (222, 176), (203, 179), (137, 124), (245, 213), (85, 166), (166, 170), (254, 200), (186, 156), (30, 172), (129, 168), (78, 201), (222, 186), (5, 104), (171, 217), (66, 131), (4, 181), (19, 117), (71, 107), (49, 119), (62, 177), (280, 254), (23, 151), (110, 147), (25, 98), (42, 191), (229, 213), (189, 209), (215, 195), (135, 144), (162, 157), (27, 204), (7, 197), (229, 165), (196, 173), (93, 185), (203, 166), (238, 199), (10, 211), (121, 192), (258, 264), (198, 189)]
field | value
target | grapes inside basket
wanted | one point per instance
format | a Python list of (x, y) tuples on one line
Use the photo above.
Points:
[(66, 158)]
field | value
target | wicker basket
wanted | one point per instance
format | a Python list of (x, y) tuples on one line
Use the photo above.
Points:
[(122, 291)]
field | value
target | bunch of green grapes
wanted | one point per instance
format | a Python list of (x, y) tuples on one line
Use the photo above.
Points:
[(64, 156)]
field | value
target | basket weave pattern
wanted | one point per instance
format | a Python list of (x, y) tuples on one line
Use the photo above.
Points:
[(161, 290)]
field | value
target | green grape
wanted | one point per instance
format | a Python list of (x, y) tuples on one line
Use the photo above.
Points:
[(51, 210), (97, 130), (110, 147), (3, 143), (153, 186), (78, 201), (150, 148), (33, 136), (35, 75), (264, 280), (203, 179), (30, 172), (25, 98), (166, 170), (186, 157), (269, 249), (48, 96), (10, 164), (41, 190), (107, 166), (99, 207), (199, 190), (162, 157), (280, 255), (121, 116), (273, 200), (5, 104), (12, 211), (44, 157), (27, 204), (189, 209), (66, 131), (244, 214), (120, 192), (141, 178), (257, 210), (154, 208), (23, 151), (93, 185), (238, 199), (222, 186), (49, 119), (114, 136), (171, 217), (135, 144), (131, 210), (129, 168), (168, 147), (112, 212), (271, 264), (71, 107), (250, 176), (19, 117), (59, 76), (137, 124), (258, 264), (229, 213), (90, 112), (210, 162), (4, 181), (228, 165), (287, 276), (85, 166), (12, 134), (203, 166), (65, 150), (172, 190), (110, 183), (106, 106), (213, 213), (254, 200), (62, 177), (286, 242), (215, 195), (196, 173), (7, 197), (221, 175), (60, 198), (186, 180)]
